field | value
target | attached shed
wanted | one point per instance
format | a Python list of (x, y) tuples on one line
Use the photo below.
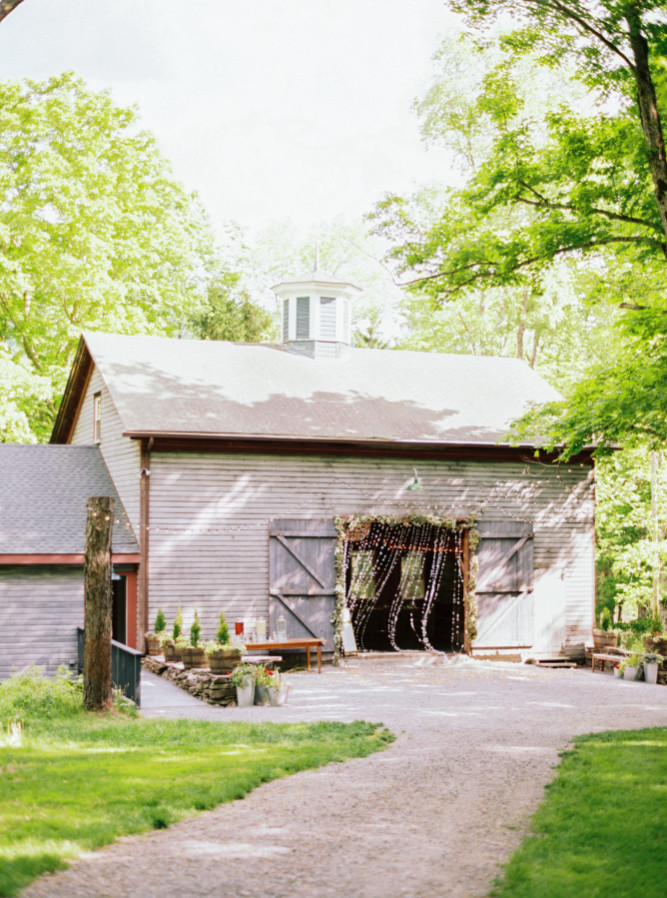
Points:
[(283, 480), (43, 497)]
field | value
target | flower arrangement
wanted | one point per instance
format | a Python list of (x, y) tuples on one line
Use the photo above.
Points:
[(243, 675), (653, 658)]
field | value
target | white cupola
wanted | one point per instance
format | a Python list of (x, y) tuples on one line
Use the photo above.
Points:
[(315, 314)]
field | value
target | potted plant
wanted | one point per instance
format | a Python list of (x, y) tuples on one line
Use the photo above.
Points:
[(172, 645), (629, 668), (222, 659), (194, 655), (605, 637), (243, 677), (651, 662), (277, 687), (222, 656), (657, 641), (263, 678), (153, 637)]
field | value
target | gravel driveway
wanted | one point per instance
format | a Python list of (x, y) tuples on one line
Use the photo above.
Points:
[(432, 816)]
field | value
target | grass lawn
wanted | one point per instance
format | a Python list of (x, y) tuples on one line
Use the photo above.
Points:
[(602, 829), (78, 780)]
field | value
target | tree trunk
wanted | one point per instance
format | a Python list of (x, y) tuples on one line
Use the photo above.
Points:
[(650, 116), (97, 693), (6, 6)]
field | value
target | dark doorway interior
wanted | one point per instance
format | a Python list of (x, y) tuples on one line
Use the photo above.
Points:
[(404, 587), (119, 610)]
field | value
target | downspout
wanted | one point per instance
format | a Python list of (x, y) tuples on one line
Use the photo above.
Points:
[(144, 535)]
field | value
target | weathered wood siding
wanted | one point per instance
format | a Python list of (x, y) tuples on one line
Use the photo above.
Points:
[(121, 455), (210, 519), (40, 609)]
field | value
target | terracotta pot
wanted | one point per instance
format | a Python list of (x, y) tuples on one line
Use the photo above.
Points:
[(223, 661), (193, 656), (604, 639)]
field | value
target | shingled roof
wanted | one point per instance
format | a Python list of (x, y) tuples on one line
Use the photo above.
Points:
[(43, 500), (163, 386)]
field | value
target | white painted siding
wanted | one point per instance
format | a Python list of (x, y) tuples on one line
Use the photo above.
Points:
[(210, 516), (121, 455), (40, 608)]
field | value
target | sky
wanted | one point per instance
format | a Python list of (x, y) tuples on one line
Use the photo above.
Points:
[(272, 110)]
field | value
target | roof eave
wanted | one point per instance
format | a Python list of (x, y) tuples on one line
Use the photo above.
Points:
[(228, 440), (68, 412)]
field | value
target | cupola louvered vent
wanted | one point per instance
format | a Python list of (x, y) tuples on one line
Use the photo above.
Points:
[(303, 318), (327, 318)]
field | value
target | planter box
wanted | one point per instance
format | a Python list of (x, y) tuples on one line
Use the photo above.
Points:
[(630, 673)]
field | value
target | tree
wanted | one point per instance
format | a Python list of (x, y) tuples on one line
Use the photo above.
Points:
[(229, 313), (631, 511), (94, 233), (97, 691), (563, 182), (6, 6)]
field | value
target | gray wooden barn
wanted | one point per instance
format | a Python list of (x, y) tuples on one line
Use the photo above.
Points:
[(259, 478), (44, 491)]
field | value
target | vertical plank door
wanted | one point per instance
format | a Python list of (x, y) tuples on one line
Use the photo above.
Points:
[(302, 577)]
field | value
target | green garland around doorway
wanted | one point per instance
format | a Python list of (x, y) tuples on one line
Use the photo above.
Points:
[(344, 524)]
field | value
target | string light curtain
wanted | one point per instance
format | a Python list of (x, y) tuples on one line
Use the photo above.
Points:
[(396, 569)]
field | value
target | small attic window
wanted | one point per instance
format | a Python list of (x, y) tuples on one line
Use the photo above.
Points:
[(302, 317), (97, 418)]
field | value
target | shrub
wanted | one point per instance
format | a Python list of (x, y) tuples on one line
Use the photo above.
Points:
[(178, 624), (195, 630), (160, 622), (32, 695), (222, 635)]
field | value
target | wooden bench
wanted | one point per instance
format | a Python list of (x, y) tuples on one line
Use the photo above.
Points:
[(274, 645), (602, 657)]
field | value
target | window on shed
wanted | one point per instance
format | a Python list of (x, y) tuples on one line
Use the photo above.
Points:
[(327, 318), (302, 317), (285, 320), (97, 417)]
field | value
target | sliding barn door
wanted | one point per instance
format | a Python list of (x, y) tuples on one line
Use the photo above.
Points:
[(505, 585), (302, 577)]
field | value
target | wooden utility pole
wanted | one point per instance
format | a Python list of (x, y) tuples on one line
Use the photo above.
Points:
[(97, 693)]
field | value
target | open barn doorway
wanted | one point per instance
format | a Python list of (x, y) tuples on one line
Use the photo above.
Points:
[(405, 585)]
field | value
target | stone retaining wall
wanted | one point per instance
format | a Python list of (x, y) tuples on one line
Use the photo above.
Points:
[(216, 689)]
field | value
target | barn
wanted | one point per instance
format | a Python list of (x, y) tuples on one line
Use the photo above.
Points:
[(309, 480), (43, 499)]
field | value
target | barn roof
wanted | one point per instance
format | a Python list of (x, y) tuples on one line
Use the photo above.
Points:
[(207, 388), (43, 500)]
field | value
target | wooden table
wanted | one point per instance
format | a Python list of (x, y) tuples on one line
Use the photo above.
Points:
[(602, 657), (306, 644)]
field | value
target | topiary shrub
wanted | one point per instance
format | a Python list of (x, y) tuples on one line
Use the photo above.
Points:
[(222, 636)]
